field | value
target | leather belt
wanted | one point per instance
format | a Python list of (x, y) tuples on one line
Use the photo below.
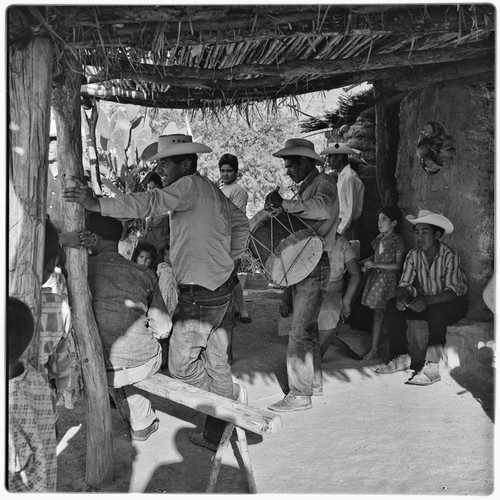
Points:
[(190, 288)]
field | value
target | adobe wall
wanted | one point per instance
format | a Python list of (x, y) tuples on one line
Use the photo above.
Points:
[(463, 191)]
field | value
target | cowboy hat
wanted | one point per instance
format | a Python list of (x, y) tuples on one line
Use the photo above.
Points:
[(340, 149), (428, 217), (177, 144), (299, 147)]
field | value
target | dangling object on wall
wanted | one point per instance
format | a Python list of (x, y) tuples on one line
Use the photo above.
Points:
[(435, 149)]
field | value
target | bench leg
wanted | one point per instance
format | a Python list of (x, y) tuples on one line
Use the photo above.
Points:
[(245, 456), (217, 460)]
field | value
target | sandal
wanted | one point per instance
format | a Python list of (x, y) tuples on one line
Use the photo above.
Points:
[(422, 378)]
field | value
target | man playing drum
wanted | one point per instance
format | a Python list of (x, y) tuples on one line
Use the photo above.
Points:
[(317, 205)]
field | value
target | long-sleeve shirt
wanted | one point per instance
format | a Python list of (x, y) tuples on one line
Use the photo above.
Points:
[(318, 205), (32, 434), (351, 191), (207, 231), (444, 273), (128, 333)]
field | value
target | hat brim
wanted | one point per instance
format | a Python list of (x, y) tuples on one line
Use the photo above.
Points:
[(342, 149), (434, 219), (308, 153), (149, 151), (358, 161), (184, 148)]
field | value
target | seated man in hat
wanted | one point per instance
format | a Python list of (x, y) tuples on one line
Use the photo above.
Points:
[(317, 204), (208, 236), (350, 188), (130, 316), (432, 288)]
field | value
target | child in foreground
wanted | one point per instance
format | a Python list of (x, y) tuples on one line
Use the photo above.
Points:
[(32, 461)]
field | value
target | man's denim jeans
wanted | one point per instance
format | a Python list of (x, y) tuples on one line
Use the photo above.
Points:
[(198, 348), (141, 413), (303, 354)]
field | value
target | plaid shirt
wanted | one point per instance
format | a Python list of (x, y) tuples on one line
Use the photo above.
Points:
[(32, 462), (445, 273), (54, 359)]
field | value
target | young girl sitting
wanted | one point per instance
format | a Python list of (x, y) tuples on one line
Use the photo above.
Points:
[(384, 267), (145, 255)]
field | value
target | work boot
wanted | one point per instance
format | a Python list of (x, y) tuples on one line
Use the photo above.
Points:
[(398, 364), (292, 403), (197, 438)]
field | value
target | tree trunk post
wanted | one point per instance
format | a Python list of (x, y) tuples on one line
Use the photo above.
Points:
[(99, 464), (387, 196), (30, 80)]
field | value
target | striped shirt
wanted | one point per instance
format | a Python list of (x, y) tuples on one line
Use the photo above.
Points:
[(445, 273)]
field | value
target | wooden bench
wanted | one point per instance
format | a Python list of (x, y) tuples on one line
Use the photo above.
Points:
[(239, 416), (467, 341)]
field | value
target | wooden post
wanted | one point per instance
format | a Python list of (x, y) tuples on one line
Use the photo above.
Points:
[(66, 104), (387, 196), (30, 80)]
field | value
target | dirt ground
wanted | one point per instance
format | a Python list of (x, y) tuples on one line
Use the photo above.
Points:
[(368, 433)]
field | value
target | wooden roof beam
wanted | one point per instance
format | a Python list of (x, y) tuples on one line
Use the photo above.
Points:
[(399, 78), (101, 26), (206, 78)]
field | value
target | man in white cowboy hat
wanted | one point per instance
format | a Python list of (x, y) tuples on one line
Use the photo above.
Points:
[(208, 236), (350, 187), (433, 288), (317, 204)]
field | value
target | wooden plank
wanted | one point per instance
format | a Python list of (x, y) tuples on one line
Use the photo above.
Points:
[(241, 415)]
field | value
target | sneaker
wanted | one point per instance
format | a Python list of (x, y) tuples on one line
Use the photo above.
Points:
[(143, 434), (428, 375), (197, 438), (398, 364), (292, 403), (245, 319)]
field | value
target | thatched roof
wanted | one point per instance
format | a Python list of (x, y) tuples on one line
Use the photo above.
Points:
[(211, 56)]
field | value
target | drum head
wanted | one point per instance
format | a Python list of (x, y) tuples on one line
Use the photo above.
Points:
[(298, 255)]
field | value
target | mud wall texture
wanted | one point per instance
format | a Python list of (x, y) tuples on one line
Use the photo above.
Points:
[(463, 190)]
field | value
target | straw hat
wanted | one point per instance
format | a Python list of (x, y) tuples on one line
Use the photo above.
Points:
[(176, 144), (340, 148), (428, 217), (299, 147)]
